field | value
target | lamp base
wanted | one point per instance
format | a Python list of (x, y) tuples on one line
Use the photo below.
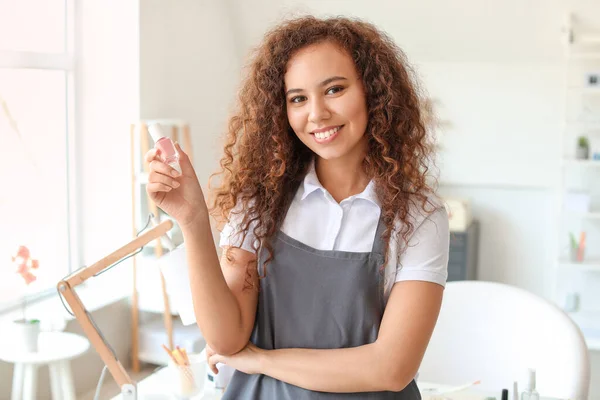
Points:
[(128, 392)]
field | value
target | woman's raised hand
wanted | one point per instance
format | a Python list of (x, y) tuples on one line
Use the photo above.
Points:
[(177, 194)]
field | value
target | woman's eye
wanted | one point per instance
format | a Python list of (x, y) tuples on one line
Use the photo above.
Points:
[(334, 90), (297, 99)]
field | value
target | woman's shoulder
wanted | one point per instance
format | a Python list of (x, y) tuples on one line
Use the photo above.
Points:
[(430, 208), (238, 228)]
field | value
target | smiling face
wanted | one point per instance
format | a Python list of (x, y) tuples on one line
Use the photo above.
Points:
[(326, 103)]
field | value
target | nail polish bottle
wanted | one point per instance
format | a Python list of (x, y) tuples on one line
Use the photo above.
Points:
[(530, 393), (165, 145)]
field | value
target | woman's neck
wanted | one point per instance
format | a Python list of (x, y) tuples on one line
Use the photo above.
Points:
[(341, 178)]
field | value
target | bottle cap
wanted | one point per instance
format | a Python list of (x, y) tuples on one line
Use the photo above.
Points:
[(531, 380), (156, 132)]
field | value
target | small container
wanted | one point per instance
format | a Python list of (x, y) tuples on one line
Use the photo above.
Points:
[(185, 382), (26, 335), (571, 302), (582, 153), (167, 149), (575, 255)]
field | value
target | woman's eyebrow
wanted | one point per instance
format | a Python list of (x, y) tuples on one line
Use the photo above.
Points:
[(324, 83), (333, 79)]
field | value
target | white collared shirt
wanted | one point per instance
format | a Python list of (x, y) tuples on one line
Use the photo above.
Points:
[(317, 220)]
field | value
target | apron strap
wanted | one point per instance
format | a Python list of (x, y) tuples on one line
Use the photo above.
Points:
[(379, 243)]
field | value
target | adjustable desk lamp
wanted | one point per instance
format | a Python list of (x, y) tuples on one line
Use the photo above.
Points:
[(66, 286)]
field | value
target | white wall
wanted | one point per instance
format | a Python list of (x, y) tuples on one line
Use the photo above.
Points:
[(107, 102), (189, 69), (513, 233)]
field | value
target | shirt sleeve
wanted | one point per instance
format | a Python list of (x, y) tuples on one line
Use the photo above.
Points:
[(426, 256), (233, 235)]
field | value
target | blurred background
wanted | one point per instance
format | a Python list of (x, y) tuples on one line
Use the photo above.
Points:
[(515, 86)]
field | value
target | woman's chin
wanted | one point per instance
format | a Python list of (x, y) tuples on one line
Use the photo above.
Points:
[(329, 154)]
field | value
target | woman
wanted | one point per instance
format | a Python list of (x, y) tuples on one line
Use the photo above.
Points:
[(336, 248)]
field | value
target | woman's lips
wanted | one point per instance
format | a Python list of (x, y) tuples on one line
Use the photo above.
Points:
[(322, 138)]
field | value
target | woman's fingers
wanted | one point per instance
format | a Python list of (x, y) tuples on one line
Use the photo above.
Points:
[(155, 162), (156, 187), (213, 367), (162, 168), (155, 177), (182, 154), (184, 162), (152, 154), (161, 177), (212, 363), (209, 353)]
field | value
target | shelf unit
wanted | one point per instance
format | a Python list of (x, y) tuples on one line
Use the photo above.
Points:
[(150, 295), (582, 45), (581, 163), (587, 265), (584, 216)]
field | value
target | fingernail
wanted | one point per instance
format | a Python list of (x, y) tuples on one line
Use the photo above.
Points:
[(175, 173), (176, 184)]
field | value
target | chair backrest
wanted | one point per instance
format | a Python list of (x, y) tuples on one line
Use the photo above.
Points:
[(494, 332)]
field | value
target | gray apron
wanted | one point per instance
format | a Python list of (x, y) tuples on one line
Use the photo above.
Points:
[(316, 299)]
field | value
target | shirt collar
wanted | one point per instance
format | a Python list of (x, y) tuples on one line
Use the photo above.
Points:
[(311, 184)]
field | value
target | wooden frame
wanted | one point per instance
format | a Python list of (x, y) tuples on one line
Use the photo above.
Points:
[(66, 289)]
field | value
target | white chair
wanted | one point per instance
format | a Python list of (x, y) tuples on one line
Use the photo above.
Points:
[(494, 332)]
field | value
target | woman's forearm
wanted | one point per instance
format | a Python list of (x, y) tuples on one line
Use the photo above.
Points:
[(217, 312), (349, 370)]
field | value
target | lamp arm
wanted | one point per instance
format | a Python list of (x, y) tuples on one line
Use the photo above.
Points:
[(66, 286), (80, 276)]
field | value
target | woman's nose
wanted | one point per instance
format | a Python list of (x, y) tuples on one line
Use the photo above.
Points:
[(318, 111)]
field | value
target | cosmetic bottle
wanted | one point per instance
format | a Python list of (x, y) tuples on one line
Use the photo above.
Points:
[(530, 393), (165, 145)]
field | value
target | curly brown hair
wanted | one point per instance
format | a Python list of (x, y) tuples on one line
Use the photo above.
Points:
[(264, 162)]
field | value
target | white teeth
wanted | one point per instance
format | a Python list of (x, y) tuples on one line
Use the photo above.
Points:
[(326, 134)]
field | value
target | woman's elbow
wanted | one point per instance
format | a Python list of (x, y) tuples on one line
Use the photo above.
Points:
[(397, 377), (396, 383)]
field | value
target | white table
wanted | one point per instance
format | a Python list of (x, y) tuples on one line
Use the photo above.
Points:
[(155, 387), (55, 349), (472, 393)]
